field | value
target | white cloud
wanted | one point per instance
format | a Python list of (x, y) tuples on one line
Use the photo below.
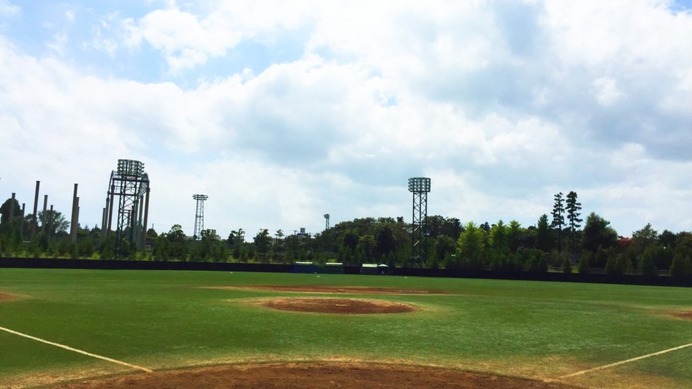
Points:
[(103, 38), (606, 91), (8, 9), (676, 100), (187, 39)]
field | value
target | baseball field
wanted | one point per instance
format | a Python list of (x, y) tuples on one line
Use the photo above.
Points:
[(108, 328)]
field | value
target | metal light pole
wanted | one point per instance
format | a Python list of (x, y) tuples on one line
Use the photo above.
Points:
[(199, 215), (419, 186)]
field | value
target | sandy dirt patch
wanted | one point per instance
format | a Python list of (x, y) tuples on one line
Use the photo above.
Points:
[(335, 305), (683, 315), (333, 289), (314, 376), (4, 297)]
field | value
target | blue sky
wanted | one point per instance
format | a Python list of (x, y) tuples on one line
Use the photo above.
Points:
[(284, 111)]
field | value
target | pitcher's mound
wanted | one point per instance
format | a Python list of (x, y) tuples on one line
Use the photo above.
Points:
[(336, 305), (315, 376)]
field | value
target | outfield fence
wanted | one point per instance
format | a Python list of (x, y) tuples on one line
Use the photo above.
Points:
[(53, 263)]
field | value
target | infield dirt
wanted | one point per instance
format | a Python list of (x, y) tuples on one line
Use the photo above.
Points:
[(314, 376)]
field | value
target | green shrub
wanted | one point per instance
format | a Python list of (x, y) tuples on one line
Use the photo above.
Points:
[(647, 264), (617, 266), (566, 265), (584, 267), (601, 258), (681, 268)]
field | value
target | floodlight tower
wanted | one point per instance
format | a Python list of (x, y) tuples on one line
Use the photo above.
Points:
[(419, 186), (131, 184), (326, 221), (199, 215)]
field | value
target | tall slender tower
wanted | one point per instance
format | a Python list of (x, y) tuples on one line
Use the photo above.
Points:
[(199, 215), (130, 184), (326, 221), (419, 186), (35, 218)]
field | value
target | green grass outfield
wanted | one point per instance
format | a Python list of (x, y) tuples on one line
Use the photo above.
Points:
[(169, 319)]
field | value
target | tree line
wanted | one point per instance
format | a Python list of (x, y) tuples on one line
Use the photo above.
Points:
[(559, 241)]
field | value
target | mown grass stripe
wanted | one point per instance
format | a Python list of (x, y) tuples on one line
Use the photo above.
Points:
[(77, 350)]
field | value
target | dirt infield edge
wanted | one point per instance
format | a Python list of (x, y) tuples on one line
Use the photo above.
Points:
[(313, 375)]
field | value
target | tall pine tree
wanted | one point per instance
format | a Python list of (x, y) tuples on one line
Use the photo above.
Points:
[(573, 208), (558, 217)]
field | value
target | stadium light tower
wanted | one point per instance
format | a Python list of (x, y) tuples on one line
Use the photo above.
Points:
[(419, 186), (199, 215), (130, 184), (326, 221)]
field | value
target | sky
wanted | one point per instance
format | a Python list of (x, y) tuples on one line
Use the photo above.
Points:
[(283, 111)]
